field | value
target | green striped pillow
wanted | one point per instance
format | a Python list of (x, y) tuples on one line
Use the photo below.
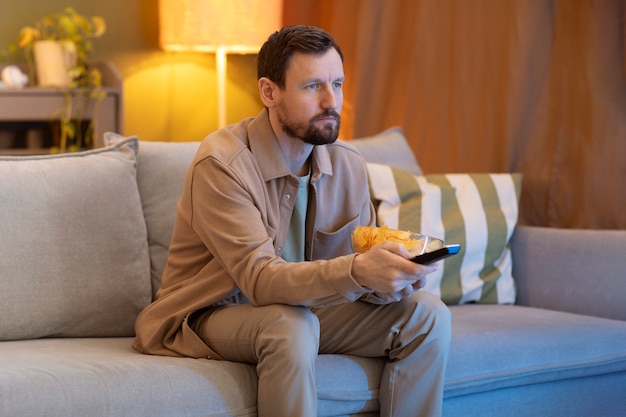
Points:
[(479, 211)]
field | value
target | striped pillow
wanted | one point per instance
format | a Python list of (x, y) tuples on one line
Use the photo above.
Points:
[(479, 211)]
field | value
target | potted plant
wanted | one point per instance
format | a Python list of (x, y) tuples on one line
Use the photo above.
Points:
[(62, 42), (67, 33)]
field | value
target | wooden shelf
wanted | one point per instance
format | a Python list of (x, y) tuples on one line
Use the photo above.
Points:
[(25, 109)]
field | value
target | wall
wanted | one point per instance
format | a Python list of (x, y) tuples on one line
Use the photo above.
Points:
[(167, 96)]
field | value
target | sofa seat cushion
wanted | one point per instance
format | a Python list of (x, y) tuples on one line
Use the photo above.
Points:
[(105, 377), (97, 377), (495, 347)]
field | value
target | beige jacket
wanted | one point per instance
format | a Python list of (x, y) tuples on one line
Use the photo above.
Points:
[(231, 226)]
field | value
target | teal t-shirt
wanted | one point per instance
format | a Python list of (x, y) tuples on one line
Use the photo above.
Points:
[(295, 243)]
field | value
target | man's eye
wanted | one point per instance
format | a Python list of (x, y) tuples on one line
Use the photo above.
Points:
[(313, 86), (338, 84)]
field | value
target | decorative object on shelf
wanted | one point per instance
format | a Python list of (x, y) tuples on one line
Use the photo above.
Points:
[(74, 34), (12, 76), (54, 61), (222, 27), (57, 47)]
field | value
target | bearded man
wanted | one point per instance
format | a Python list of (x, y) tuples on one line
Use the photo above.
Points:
[(261, 268)]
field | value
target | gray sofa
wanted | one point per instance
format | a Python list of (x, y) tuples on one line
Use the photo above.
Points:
[(84, 237)]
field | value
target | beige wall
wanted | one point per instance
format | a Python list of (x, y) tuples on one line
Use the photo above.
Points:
[(167, 96)]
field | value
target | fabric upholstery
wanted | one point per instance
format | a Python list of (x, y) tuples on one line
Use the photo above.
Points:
[(161, 170), (586, 270), (160, 176), (495, 349), (479, 211), (496, 346), (74, 253), (514, 361), (600, 395), (388, 147), (49, 376)]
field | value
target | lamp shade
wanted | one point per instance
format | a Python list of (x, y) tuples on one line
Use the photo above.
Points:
[(208, 25)]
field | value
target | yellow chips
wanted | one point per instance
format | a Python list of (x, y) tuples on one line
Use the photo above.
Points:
[(364, 237)]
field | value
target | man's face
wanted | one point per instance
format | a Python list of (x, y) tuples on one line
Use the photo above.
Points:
[(309, 106)]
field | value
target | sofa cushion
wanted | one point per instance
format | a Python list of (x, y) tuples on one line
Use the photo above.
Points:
[(160, 175), (73, 248), (496, 347), (97, 377), (388, 147), (161, 171), (479, 211)]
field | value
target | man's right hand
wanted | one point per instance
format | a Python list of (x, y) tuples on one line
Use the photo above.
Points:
[(386, 269)]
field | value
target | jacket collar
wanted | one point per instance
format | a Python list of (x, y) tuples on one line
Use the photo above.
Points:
[(266, 150)]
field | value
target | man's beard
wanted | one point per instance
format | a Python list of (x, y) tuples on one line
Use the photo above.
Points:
[(311, 134)]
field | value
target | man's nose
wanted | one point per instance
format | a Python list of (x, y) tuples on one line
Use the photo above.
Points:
[(329, 98)]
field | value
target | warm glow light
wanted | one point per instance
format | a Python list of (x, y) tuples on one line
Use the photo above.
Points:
[(240, 26), (220, 26)]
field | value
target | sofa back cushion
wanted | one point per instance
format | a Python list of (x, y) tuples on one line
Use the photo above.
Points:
[(161, 175), (388, 147), (73, 248)]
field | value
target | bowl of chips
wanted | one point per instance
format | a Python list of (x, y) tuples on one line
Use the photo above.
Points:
[(364, 237)]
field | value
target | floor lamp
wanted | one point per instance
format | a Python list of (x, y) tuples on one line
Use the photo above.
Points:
[(218, 26)]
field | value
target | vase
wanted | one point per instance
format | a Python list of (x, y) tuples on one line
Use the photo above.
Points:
[(53, 61)]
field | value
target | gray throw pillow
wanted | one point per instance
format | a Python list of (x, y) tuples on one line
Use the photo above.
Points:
[(73, 245)]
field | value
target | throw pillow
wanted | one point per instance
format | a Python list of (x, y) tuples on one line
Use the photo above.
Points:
[(479, 211), (74, 253)]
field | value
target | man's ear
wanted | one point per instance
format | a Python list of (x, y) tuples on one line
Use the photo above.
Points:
[(267, 90)]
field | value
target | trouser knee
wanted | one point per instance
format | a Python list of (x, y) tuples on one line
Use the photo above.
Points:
[(437, 316), (291, 330), (428, 319)]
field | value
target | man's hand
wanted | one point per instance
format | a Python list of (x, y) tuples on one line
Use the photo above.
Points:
[(386, 269)]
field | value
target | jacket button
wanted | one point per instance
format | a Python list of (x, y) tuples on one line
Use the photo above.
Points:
[(288, 196)]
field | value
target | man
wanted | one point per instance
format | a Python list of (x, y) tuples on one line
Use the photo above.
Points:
[(261, 269)]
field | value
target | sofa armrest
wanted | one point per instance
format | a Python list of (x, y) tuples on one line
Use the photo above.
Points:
[(580, 271)]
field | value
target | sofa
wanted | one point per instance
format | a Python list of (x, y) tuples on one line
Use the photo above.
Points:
[(84, 239)]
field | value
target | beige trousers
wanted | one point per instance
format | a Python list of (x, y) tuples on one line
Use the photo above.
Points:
[(284, 341)]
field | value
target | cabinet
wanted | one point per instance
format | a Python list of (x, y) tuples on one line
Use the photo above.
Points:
[(27, 115)]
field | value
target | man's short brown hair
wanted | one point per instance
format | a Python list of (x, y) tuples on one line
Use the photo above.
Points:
[(276, 52)]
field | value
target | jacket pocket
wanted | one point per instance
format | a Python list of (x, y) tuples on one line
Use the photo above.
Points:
[(328, 245)]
